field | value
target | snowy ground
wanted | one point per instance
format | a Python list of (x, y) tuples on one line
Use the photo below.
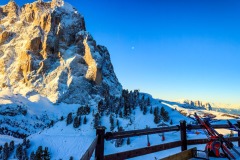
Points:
[(65, 141)]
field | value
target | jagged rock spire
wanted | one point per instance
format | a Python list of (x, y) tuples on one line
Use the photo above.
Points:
[(57, 3)]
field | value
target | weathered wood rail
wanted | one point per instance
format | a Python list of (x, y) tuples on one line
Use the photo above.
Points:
[(183, 143)]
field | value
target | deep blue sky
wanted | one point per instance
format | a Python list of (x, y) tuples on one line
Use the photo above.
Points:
[(171, 49)]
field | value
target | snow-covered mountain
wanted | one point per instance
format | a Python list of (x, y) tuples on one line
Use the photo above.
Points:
[(45, 49), (221, 107), (51, 69)]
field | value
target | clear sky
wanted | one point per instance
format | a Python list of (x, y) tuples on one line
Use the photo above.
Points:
[(172, 49)]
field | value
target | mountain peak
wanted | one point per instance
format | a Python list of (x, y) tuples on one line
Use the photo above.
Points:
[(46, 49)]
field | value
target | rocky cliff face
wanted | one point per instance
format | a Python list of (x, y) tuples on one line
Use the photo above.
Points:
[(45, 48), (199, 104)]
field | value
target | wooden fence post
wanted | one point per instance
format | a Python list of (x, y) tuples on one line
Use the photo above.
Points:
[(99, 152), (183, 132), (238, 122)]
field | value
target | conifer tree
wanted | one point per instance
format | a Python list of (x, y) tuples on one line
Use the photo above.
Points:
[(128, 141), (76, 123), (19, 151), (151, 111), (24, 154), (120, 114), (32, 156), (171, 122), (96, 120), (27, 143), (117, 123), (156, 115), (148, 101), (69, 118), (24, 141), (5, 151), (38, 154), (164, 114), (144, 109), (111, 119), (11, 146), (46, 154)]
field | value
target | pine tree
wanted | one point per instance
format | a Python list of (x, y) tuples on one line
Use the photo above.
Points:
[(80, 111), (69, 118), (61, 119), (71, 158), (171, 122), (24, 154), (156, 115), (46, 154), (11, 146), (87, 109), (144, 109), (38, 155), (164, 114), (148, 101), (111, 119), (32, 156), (96, 120), (128, 141), (24, 141), (51, 123), (5, 151), (76, 123), (1, 148), (117, 123), (120, 114), (85, 120), (19, 151), (27, 143), (151, 111)]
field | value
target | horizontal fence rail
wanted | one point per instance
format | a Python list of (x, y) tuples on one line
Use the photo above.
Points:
[(125, 134), (142, 151)]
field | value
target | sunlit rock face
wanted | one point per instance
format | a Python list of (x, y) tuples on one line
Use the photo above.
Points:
[(45, 49)]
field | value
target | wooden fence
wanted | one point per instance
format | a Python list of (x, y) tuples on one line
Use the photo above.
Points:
[(101, 136)]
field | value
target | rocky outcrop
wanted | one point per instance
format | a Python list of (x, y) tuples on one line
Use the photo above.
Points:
[(198, 104), (45, 48)]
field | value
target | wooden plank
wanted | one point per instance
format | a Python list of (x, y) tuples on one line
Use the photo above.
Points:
[(142, 151), (125, 134), (88, 154), (185, 155)]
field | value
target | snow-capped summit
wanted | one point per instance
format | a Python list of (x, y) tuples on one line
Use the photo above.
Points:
[(45, 49)]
